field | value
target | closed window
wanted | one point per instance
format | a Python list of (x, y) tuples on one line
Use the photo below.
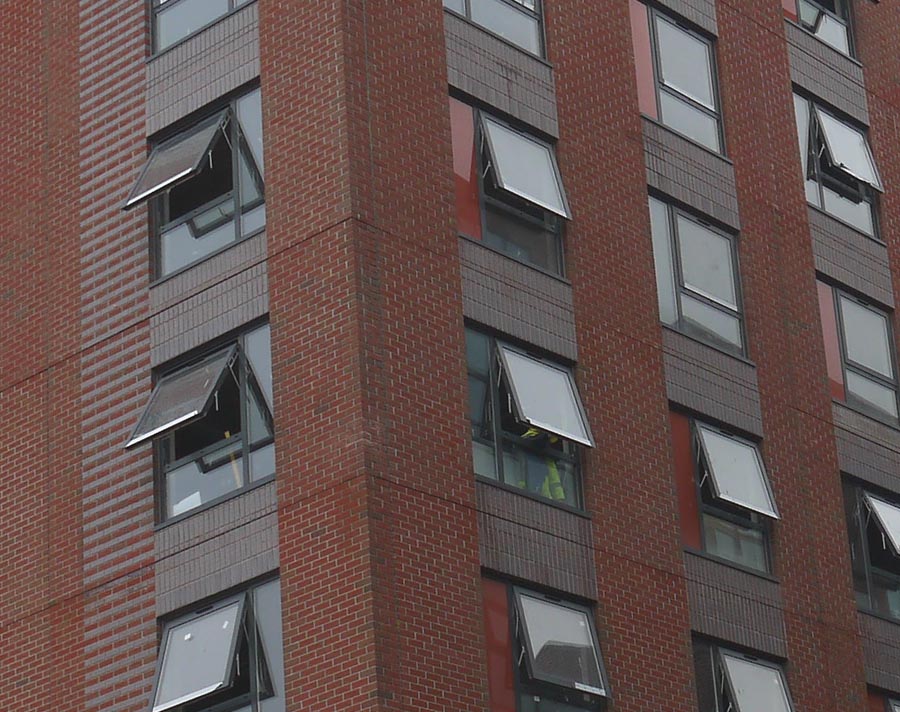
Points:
[(517, 21), (859, 350), (838, 167), (211, 419), (873, 525), (205, 186), (728, 680), (173, 20), (527, 420), (509, 192), (696, 277), (226, 655), (543, 651), (676, 75), (829, 20)]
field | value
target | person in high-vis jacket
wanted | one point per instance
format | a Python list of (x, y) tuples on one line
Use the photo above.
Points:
[(542, 473)]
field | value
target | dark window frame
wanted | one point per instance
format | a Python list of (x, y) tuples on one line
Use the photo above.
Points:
[(155, 5), (536, 14), (844, 16)]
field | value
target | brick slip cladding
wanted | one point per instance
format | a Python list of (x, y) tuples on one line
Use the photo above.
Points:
[(785, 339), (881, 646), (500, 74), (826, 73), (376, 496), (867, 449), (203, 68), (711, 383), (701, 12), (735, 605), (516, 300), (642, 597)]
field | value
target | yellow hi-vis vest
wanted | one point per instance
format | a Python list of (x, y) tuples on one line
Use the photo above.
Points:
[(551, 487)]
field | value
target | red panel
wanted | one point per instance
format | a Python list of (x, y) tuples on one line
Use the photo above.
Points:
[(688, 507), (499, 647), (877, 703), (643, 59), (832, 343), (465, 169), (790, 9)]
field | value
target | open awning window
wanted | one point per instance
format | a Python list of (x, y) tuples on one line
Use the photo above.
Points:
[(197, 657), (737, 472), (525, 167), (177, 159), (848, 149), (560, 643), (888, 517), (182, 396), (545, 396), (755, 686)]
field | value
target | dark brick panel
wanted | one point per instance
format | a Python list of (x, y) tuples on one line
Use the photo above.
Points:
[(689, 173), (826, 73), (701, 12), (851, 258), (711, 382), (735, 606), (203, 68), (517, 300), (500, 74), (881, 648), (866, 448), (530, 540)]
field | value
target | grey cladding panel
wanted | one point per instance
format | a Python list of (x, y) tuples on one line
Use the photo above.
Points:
[(701, 12), (881, 651), (867, 449)]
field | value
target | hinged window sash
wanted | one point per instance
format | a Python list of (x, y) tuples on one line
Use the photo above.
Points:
[(848, 149), (755, 686), (887, 516)]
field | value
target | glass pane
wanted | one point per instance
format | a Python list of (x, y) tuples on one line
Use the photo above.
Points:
[(689, 120), (456, 5), (195, 484), (834, 33), (866, 337), (662, 258), (542, 474), (709, 323), (253, 220), (520, 239), (737, 472), (888, 516), (859, 215), (484, 459), (478, 353), (518, 27), (178, 19), (251, 193), (742, 545), (809, 14), (196, 656), (886, 597), (757, 688), (801, 112), (181, 396), (267, 611), (685, 63), (249, 112), (479, 405), (871, 393), (180, 247), (545, 395), (561, 644), (262, 462), (529, 702), (706, 263), (848, 149), (258, 347), (525, 167)]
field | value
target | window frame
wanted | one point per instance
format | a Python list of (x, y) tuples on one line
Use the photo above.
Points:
[(722, 670), (537, 14), (845, 20), (660, 87), (155, 5)]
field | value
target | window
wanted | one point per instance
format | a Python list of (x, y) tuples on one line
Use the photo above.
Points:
[(696, 277), (838, 167), (829, 20), (726, 500), (509, 192), (212, 421), (873, 525), (543, 652), (526, 420), (173, 20), (676, 76), (517, 21), (895, 706), (206, 184), (224, 656), (859, 353), (728, 680)]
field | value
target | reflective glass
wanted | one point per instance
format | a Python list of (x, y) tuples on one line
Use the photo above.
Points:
[(545, 396), (177, 19), (857, 214), (456, 5), (484, 459), (888, 516), (267, 612), (733, 542), (525, 167), (249, 112), (561, 644), (848, 149), (689, 120), (478, 348), (801, 113), (662, 258), (834, 33), (258, 347), (866, 337), (737, 472), (756, 687), (180, 247), (872, 393), (706, 321), (262, 462), (197, 656), (520, 28), (521, 239), (253, 220), (685, 63), (196, 483), (706, 264)]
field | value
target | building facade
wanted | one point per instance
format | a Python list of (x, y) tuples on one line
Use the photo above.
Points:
[(502, 355)]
